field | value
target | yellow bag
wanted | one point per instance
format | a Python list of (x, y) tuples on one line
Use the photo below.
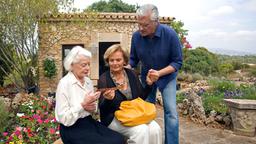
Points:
[(135, 112)]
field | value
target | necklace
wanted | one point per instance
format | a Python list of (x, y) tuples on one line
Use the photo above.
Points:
[(119, 83)]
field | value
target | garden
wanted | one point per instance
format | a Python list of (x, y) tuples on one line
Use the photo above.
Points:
[(27, 117)]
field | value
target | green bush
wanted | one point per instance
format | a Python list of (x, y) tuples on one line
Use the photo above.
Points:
[(197, 76), (4, 115), (249, 91), (214, 101), (252, 72), (182, 76), (237, 65), (226, 68), (222, 85), (200, 60), (49, 67)]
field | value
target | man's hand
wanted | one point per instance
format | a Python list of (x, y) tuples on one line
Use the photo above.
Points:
[(90, 101), (148, 80), (153, 75)]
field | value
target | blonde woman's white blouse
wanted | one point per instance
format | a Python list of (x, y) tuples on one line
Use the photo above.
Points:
[(69, 96)]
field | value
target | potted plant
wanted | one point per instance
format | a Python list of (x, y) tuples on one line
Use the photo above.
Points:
[(50, 71)]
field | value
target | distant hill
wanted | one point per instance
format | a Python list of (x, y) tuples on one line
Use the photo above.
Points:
[(249, 59), (241, 52)]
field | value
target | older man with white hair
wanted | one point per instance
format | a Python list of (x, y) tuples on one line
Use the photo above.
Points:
[(158, 48)]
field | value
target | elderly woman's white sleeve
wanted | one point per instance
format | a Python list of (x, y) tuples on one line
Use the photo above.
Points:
[(64, 113)]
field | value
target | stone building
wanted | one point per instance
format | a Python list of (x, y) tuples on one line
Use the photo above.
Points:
[(95, 32)]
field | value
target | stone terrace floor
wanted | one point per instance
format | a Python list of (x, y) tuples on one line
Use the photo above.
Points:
[(191, 133)]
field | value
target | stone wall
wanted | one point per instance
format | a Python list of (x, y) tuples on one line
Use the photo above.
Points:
[(86, 29)]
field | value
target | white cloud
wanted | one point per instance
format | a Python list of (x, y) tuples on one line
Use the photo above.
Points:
[(249, 5), (223, 10)]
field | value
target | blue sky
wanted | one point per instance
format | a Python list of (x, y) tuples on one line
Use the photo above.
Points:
[(222, 26)]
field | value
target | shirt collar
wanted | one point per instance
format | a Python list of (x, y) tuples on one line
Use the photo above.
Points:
[(158, 31), (73, 79)]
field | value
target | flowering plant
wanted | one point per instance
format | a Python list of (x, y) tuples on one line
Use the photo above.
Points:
[(49, 67), (35, 123)]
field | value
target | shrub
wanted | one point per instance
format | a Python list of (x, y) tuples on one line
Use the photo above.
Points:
[(197, 76), (222, 85), (252, 72), (49, 67), (226, 68), (249, 91), (181, 76), (4, 115), (237, 65), (200, 60), (214, 101)]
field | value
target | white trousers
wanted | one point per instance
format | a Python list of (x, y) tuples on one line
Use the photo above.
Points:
[(142, 134)]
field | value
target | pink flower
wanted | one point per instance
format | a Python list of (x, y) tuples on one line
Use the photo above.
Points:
[(20, 137), (25, 129), (35, 116), (5, 133), (39, 121), (17, 132), (53, 120), (18, 128), (46, 121), (10, 138), (52, 131)]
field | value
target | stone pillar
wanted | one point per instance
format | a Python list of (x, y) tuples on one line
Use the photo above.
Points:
[(243, 114)]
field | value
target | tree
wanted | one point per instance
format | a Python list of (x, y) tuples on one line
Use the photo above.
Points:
[(182, 33), (2, 62), (18, 23), (112, 6), (200, 60)]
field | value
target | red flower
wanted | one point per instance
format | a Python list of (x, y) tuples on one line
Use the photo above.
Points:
[(43, 106), (187, 45)]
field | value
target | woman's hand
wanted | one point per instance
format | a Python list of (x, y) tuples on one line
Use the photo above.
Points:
[(109, 94), (90, 101)]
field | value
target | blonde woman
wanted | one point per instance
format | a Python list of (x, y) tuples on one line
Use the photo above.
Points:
[(116, 58)]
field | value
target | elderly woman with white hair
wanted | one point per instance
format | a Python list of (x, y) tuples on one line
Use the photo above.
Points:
[(76, 100)]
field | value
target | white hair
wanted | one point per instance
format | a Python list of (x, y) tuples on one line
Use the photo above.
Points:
[(145, 9), (74, 56)]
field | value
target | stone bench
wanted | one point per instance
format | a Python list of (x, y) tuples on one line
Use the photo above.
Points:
[(243, 115)]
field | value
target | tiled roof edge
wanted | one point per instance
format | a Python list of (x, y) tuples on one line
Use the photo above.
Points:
[(121, 17)]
